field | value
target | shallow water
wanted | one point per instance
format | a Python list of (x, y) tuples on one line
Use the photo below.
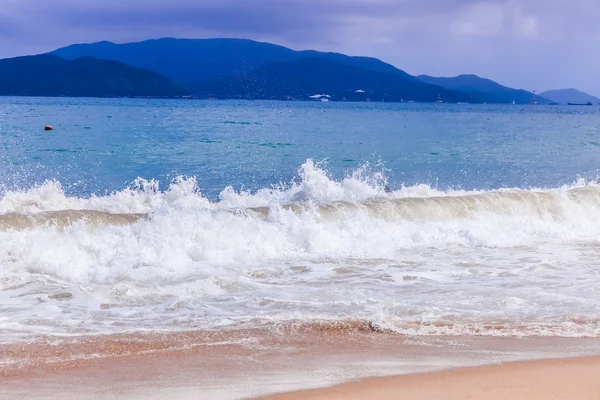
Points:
[(136, 215)]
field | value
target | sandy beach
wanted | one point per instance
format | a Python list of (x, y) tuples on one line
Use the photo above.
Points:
[(251, 363), (575, 379)]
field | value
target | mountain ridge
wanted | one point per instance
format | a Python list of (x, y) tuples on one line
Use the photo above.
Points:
[(186, 60), (50, 75), (306, 77), (205, 67), (479, 87), (564, 96)]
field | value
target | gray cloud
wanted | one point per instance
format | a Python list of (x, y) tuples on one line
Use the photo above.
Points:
[(534, 44)]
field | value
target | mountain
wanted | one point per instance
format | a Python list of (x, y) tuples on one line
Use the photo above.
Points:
[(484, 90), (50, 75), (307, 77), (240, 68), (564, 96), (186, 60), (224, 67)]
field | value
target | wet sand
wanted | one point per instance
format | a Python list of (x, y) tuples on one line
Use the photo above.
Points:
[(573, 379), (250, 363)]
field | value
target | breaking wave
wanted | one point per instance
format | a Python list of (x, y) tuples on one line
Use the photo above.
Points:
[(358, 208), (314, 249)]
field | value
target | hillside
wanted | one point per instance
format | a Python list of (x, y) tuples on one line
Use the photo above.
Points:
[(306, 77), (49, 75), (240, 68), (186, 60), (564, 96), (484, 90)]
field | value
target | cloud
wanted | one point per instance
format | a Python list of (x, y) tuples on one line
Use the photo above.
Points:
[(527, 43)]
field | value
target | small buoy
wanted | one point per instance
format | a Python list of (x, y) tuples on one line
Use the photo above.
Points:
[(48, 127)]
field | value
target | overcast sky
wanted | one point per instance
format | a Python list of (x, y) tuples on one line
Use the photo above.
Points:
[(529, 44)]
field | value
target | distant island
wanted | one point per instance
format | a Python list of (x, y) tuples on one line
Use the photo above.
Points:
[(239, 69), (570, 96), (485, 90)]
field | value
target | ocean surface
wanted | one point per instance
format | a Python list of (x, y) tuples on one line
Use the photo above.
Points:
[(170, 215)]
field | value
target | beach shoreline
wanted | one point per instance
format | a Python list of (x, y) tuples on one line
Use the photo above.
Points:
[(252, 363)]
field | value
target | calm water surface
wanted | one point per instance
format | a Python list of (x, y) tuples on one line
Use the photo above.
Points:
[(101, 145)]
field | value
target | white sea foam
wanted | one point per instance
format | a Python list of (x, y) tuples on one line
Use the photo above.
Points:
[(416, 260), (313, 186)]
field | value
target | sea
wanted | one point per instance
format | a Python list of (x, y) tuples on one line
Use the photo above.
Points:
[(141, 215)]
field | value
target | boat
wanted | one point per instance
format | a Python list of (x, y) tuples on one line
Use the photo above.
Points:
[(581, 104)]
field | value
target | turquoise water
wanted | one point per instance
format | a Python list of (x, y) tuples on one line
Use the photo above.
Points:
[(151, 215), (101, 145)]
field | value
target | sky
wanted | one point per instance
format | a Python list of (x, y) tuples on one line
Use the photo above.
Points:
[(529, 44)]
